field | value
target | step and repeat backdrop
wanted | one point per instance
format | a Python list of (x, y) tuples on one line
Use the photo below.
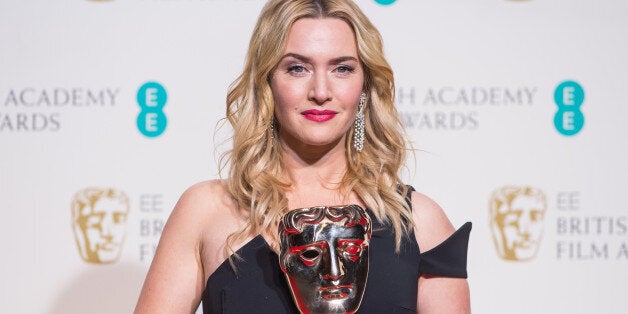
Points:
[(517, 110)]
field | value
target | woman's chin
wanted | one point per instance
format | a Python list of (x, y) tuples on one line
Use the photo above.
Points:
[(316, 144)]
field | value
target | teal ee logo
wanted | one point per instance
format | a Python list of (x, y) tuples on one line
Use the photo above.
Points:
[(385, 2), (152, 121), (569, 96)]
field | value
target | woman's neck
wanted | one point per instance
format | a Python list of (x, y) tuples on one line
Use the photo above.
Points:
[(315, 174)]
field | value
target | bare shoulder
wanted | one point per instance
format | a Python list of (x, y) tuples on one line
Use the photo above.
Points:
[(203, 197), (437, 294), (200, 205), (208, 208), (431, 225), (188, 243), (211, 210)]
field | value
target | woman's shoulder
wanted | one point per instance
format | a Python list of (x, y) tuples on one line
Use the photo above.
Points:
[(208, 200), (431, 224), (203, 195), (440, 272), (179, 264), (202, 206), (212, 213)]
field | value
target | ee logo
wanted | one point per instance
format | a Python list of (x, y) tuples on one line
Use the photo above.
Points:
[(385, 2), (152, 97), (569, 96)]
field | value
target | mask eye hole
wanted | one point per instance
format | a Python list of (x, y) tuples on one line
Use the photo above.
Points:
[(310, 256), (353, 249)]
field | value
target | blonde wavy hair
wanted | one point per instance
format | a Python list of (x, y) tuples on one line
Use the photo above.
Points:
[(257, 180)]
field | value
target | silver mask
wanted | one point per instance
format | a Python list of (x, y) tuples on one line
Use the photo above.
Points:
[(324, 255)]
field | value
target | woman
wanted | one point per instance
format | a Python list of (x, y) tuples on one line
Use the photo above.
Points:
[(314, 124)]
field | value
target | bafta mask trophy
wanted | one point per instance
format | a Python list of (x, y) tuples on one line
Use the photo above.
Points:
[(517, 214), (324, 255), (98, 221)]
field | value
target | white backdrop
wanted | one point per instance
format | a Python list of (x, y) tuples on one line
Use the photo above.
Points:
[(475, 83)]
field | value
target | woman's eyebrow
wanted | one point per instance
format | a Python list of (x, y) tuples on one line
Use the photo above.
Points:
[(297, 56), (308, 60), (343, 59)]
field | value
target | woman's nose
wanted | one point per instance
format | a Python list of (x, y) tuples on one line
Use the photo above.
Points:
[(319, 89)]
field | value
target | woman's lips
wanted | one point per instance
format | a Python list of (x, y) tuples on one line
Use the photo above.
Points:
[(319, 115)]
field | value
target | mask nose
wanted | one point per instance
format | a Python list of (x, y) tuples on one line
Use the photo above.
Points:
[(335, 269), (106, 228), (525, 226)]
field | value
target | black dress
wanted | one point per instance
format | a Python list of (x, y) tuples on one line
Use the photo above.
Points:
[(259, 286)]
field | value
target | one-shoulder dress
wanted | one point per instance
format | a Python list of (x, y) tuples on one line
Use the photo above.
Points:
[(259, 286)]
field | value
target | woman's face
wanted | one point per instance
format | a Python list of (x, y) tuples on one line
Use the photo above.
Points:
[(317, 84)]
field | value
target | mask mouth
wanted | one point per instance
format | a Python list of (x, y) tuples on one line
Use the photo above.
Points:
[(107, 247), (524, 245), (335, 292)]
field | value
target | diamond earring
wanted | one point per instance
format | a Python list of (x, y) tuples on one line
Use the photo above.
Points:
[(358, 134)]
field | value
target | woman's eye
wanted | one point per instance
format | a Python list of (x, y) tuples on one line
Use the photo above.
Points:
[(296, 69), (344, 69)]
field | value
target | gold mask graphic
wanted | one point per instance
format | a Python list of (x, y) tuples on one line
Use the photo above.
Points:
[(516, 219), (98, 221)]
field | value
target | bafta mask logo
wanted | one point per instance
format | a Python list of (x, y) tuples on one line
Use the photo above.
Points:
[(516, 218), (98, 221), (324, 255)]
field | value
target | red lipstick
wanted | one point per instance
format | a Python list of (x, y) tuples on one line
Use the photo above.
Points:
[(319, 115)]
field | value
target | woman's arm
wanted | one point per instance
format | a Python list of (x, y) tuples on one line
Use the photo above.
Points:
[(440, 295), (175, 280)]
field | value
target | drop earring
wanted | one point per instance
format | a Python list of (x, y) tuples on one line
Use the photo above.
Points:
[(358, 134), (271, 128)]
